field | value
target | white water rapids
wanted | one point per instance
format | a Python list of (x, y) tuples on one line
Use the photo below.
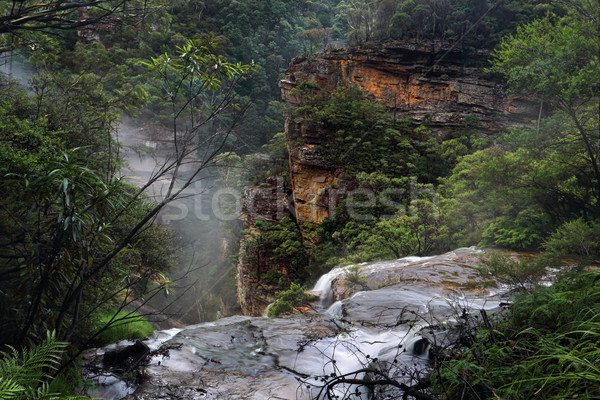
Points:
[(278, 358)]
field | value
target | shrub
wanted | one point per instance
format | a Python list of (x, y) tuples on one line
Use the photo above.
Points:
[(287, 300), (279, 307), (123, 325), (353, 277), (523, 273), (576, 237)]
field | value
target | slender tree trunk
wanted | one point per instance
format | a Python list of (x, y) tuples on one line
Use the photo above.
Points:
[(591, 154)]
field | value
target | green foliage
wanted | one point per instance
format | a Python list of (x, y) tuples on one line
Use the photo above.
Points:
[(315, 39), (68, 222), (352, 277), (25, 375), (438, 158), (122, 325), (389, 214), (484, 198), (45, 17), (197, 65), (517, 232), (68, 213), (576, 237), (420, 230), (553, 57), (557, 60), (262, 33), (25, 142), (287, 300), (75, 101), (471, 24), (198, 83), (355, 239), (362, 133), (278, 156), (276, 246), (522, 273), (534, 180), (279, 307), (546, 349)]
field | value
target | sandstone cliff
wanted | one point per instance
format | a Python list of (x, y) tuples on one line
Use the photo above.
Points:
[(267, 202), (429, 83)]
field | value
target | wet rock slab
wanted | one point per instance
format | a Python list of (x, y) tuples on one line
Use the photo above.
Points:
[(277, 358), (233, 358), (402, 304), (451, 272)]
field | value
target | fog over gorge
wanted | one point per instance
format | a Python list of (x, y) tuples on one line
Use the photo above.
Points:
[(308, 199)]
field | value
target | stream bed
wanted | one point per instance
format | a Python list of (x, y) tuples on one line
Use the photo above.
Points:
[(389, 323)]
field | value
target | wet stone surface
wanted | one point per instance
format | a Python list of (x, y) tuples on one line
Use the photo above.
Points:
[(277, 358)]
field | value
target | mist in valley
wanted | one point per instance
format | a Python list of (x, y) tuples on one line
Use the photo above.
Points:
[(204, 223)]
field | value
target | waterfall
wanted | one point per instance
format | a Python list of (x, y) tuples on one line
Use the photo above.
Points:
[(324, 284), (259, 357)]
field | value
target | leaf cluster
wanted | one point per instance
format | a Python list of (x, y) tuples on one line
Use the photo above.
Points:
[(287, 300), (24, 375), (544, 349)]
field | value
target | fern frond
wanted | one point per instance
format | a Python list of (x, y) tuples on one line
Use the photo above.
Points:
[(9, 389), (29, 370), (21, 374), (9, 362)]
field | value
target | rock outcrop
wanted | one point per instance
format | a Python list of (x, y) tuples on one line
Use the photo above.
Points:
[(316, 185), (433, 83), (430, 83), (268, 202)]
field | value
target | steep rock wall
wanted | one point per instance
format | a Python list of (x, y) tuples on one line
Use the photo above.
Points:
[(268, 202), (430, 83)]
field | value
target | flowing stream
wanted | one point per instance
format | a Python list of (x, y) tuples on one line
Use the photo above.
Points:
[(386, 321)]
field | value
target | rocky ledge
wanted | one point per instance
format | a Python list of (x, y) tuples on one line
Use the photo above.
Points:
[(432, 83)]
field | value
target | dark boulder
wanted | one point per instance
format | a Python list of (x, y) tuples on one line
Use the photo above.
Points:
[(127, 358)]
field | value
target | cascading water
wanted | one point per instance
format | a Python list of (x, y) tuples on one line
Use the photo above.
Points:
[(279, 358), (323, 286)]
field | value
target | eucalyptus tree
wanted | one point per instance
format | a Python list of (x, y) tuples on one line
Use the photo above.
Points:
[(75, 239), (41, 16), (556, 60)]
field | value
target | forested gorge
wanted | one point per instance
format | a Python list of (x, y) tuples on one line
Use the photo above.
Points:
[(86, 249)]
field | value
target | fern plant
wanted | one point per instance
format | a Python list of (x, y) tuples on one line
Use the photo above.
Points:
[(22, 374)]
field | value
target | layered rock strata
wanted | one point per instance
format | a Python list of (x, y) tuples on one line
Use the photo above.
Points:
[(432, 83), (268, 202), (429, 83)]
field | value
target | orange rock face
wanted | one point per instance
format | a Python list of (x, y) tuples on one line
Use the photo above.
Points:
[(431, 83), (316, 185)]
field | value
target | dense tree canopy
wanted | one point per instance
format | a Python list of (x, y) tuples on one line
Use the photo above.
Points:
[(532, 181), (472, 24), (557, 61), (78, 240), (25, 21)]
